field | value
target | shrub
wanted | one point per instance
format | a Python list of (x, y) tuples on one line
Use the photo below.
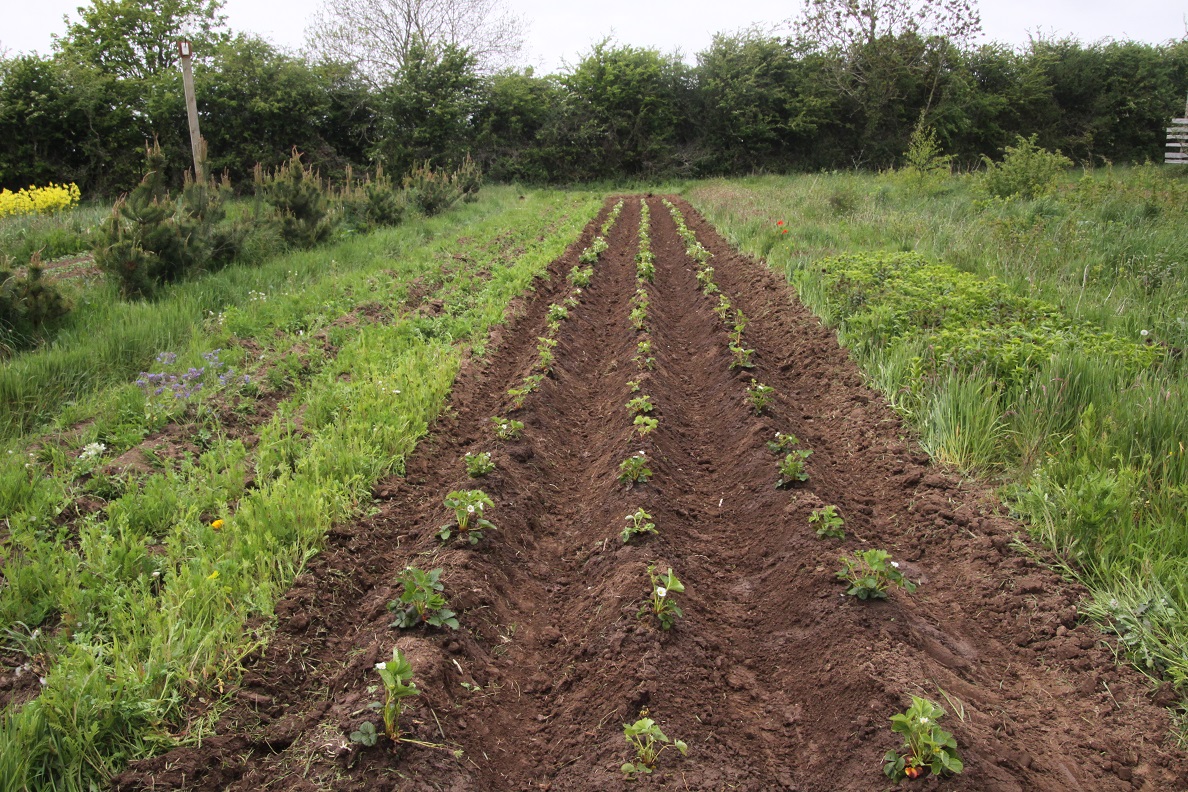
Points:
[(27, 304), (298, 196), (1026, 170), (432, 191)]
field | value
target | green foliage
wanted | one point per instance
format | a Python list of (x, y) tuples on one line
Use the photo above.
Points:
[(644, 424), (422, 602), (648, 742), (640, 405), (640, 525), (298, 196), (29, 306), (783, 443), (792, 468), (870, 573), (396, 675), (924, 157), (760, 396), (634, 469), (468, 507), (661, 603), (929, 747), (365, 735), (1027, 171), (479, 465), (506, 428), (828, 522), (432, 191)]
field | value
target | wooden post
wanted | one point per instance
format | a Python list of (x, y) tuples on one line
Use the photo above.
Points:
[(186, 51)]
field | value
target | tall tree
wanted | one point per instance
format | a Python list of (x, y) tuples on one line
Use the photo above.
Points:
[(137, 39), (379, 35)]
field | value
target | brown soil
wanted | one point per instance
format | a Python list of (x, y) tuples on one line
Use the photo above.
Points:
[(773, 677)]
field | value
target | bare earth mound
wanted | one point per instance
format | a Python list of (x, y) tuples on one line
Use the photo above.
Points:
[(773, 678)]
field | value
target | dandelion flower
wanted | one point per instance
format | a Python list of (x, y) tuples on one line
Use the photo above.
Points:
[(1144, 333), (217, 524)]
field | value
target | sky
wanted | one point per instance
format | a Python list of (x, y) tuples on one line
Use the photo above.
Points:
[(560, 32)]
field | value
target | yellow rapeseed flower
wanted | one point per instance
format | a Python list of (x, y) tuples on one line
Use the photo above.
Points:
[(44, 200)]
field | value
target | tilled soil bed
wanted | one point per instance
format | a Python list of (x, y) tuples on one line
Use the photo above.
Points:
[(774, 678)]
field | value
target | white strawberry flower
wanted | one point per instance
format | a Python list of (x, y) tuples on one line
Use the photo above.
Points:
[(661, 592)]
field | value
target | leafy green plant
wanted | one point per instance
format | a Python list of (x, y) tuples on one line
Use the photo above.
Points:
[(557, 312), (366, 734), (633, 385), (640, 404), (639, 525), (468, 506), (396, 675), (644, 424), (643, 355), (741, 357), (479, 465), (759, 395), (507, 429), (597, 247), (828, 522), (579, 277), (1026, 171), (870, 573), (634, 469), (928, 746), (645, 737), (422, 602), (722, 309), (660, 604), (783, 443), (792, 468), (544, 351)]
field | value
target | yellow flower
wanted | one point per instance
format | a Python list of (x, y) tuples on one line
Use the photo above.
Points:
[(51, 198), (217, 524)]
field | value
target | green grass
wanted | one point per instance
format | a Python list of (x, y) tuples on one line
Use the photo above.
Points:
[(53, 235), (145, 603), (1010, 333)]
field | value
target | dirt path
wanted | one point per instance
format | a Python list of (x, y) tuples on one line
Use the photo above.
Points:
[(773, 678)]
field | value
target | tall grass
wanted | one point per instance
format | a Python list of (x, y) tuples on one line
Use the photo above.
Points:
[(153, 597), (1080, 409)]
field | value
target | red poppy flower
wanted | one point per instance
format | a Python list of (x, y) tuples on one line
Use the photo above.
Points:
[(779, 222), (785, 230)]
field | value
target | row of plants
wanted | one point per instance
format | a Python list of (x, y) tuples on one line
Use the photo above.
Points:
[(131, 608), (578, 278), (868, 574)]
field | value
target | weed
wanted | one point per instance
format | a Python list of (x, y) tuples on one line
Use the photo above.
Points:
[(639, 525), (660, 604), (422, 602), (829, 523), (870, 573), (929, 747), (365, 735), (792, 468), (478, 465), (507, 429), (468, 508), (645, 737), (634, 469), (759, 395)]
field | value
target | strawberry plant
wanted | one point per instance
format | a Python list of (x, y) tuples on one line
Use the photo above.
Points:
[(634, 469), (792, 468), (929, 747), (828, 522), (639, 525), (742, 357), (579, 277), (723, 307), (640, 404), (759, 395), (645, 737), (468, 508), (644, 424), (557, 313), (660, 604), (479, 465), (396, 674), (643, 356), (783, 443), (422, 602), (506, 428), (870, 573)]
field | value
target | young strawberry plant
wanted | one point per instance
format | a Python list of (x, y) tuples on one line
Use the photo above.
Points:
[(722, 309), (468, 508), (870, 573), (828, 523), (544, 351), (792, 468), (506, 428), (634, 469), (579, 277), (639, 525), (759, 395), (783, 443), (645, 737), (643, 356), (741, 357), (644, 424), (640, 404), (929, 747), (422, 602), (660, 604), (396, 674), (479, 465), (557, 313)]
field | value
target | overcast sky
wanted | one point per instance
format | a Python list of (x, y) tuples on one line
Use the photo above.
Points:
[(559, 32)]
